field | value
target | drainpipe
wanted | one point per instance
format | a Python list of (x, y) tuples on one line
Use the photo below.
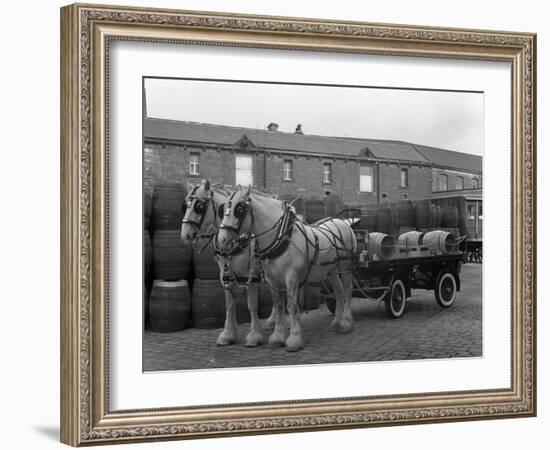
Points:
[(377, 183)]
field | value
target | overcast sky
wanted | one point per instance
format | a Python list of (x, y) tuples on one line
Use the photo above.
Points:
[(450, 120)]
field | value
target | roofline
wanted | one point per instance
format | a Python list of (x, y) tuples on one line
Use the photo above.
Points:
[(457, 169), (291, 133), (289, 152)]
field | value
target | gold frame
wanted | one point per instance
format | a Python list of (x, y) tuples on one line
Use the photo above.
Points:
[(86, 31)]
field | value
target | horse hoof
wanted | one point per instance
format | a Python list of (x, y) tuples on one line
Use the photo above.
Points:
[(276, 340), (254, 339), (224, 340), (343, 327), (294, 343)]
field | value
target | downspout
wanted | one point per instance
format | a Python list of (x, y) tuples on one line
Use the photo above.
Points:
[(377, 183)]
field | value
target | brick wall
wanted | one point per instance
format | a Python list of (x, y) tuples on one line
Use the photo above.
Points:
[(170, 164), (452, 179)]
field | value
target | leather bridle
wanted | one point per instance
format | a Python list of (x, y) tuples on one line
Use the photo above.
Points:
[(197, 203)]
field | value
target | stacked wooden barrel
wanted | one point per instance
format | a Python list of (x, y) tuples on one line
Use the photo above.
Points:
[(315, 209), (147, 254), (425, 214), (205, 263), (333, 205), (169, 300)]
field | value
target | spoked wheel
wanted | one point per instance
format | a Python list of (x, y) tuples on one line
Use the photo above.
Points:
[(395, 299), (445, 290)]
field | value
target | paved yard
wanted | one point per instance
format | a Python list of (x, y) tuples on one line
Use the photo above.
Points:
[(425, 331)]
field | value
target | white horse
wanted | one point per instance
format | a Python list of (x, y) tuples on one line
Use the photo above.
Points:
[(291, 253), (202, 218)]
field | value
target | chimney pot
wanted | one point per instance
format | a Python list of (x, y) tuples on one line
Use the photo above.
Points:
[(299, 129), (273, 126)]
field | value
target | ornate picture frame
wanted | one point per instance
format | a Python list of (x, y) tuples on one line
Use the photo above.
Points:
[(86, 34)]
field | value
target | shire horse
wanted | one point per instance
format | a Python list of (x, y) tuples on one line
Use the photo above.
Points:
[(291, 253), (202, 217)]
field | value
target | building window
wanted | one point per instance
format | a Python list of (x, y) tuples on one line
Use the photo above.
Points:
[(475, 183), (443, 182), (194, 164), (243, 170), (404, 178), (287, 170), (459, 183), (365, 178), (327, 173)]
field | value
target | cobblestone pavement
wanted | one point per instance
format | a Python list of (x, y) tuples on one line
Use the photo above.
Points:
[(425, 331)]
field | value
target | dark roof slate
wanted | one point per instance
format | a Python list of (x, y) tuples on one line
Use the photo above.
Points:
[(278, 140), (451, 159)]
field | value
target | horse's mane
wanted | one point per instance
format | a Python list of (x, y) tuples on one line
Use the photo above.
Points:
[(221, 189)]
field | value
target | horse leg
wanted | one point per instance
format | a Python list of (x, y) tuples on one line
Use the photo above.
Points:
[(254, 337), (336, 289), (347, 316), (339, 324), (295, 340), (277, 338), (271, 320), (229, 334)]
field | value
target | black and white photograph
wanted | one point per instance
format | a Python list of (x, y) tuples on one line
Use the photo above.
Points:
[(295, 224)]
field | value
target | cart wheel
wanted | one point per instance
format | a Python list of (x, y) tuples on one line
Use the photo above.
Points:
[(445, 291), (395, 299)]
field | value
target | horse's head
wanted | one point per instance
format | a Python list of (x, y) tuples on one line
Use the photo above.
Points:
[(237, 217), (198, 210)]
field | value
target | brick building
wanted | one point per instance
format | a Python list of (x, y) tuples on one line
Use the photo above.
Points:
[(360, 171)]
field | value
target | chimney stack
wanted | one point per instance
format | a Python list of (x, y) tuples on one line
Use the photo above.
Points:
[(298, 129), (273, 126)]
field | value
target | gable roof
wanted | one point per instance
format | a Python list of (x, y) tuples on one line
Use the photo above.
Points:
[(451, 159), (201, 133)]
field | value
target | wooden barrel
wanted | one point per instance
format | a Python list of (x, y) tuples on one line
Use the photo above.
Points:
[(312, 298), (152, 168), (147, 253), (208, 304), (404, 230), (424, 214), (461, 206), (169, 306), (440, 242), (167, 201), (437, 219), (380, 246), (455, 232), (383, 220), (297, 202), (171, 258), (204, 262), (449, 217), (404, 214), (368, 221), (410, 244), (333, 205), (315, 210), (147, 210), (265, 303)]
